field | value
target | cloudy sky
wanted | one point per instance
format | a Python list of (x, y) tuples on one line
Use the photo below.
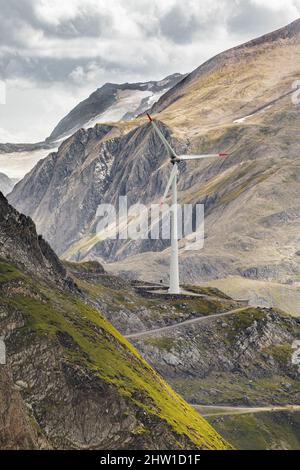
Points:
[(54, 53)]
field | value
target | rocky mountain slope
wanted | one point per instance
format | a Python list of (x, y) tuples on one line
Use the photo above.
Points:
[(217, 352), (239, 101), (261, 293), (264, 430), (13, 148), (70, 379), (21, 244), (18, 163), (113, 102), (6, 184)]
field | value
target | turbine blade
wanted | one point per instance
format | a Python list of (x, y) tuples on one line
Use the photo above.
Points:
[(199, 157), (168, 147), (172, 175)]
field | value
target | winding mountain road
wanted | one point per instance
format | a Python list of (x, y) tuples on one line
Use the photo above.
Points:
[(166, 329)]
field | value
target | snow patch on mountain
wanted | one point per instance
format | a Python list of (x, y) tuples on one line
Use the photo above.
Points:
[(127, 101)]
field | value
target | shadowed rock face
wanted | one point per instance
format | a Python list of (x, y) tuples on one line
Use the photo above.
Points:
[(212, 357), (12, 148), (214, 350), (258, 182)]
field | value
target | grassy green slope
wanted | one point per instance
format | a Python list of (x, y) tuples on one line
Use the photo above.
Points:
[(261, 431)]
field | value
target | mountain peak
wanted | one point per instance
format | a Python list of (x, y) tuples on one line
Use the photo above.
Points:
[(287, 35), (18, 236), (113, 102)]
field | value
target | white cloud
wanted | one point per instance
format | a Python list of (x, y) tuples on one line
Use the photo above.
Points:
[(66, 49)]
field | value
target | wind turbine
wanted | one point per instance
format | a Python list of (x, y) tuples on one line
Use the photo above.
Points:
[(174, 160)]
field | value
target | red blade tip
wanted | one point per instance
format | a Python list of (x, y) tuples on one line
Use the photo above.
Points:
[(149, 117), (223, 154)]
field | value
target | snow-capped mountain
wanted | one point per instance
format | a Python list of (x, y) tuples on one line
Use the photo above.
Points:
[(113, 102), (110, 103)]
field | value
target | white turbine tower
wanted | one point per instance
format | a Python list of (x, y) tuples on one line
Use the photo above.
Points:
[(174, 159)]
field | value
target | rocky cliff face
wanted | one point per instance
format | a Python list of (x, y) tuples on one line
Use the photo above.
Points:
[(20, 243), (232, 361), (6, 184), (74, 381), (55, 177), (94, 166)]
